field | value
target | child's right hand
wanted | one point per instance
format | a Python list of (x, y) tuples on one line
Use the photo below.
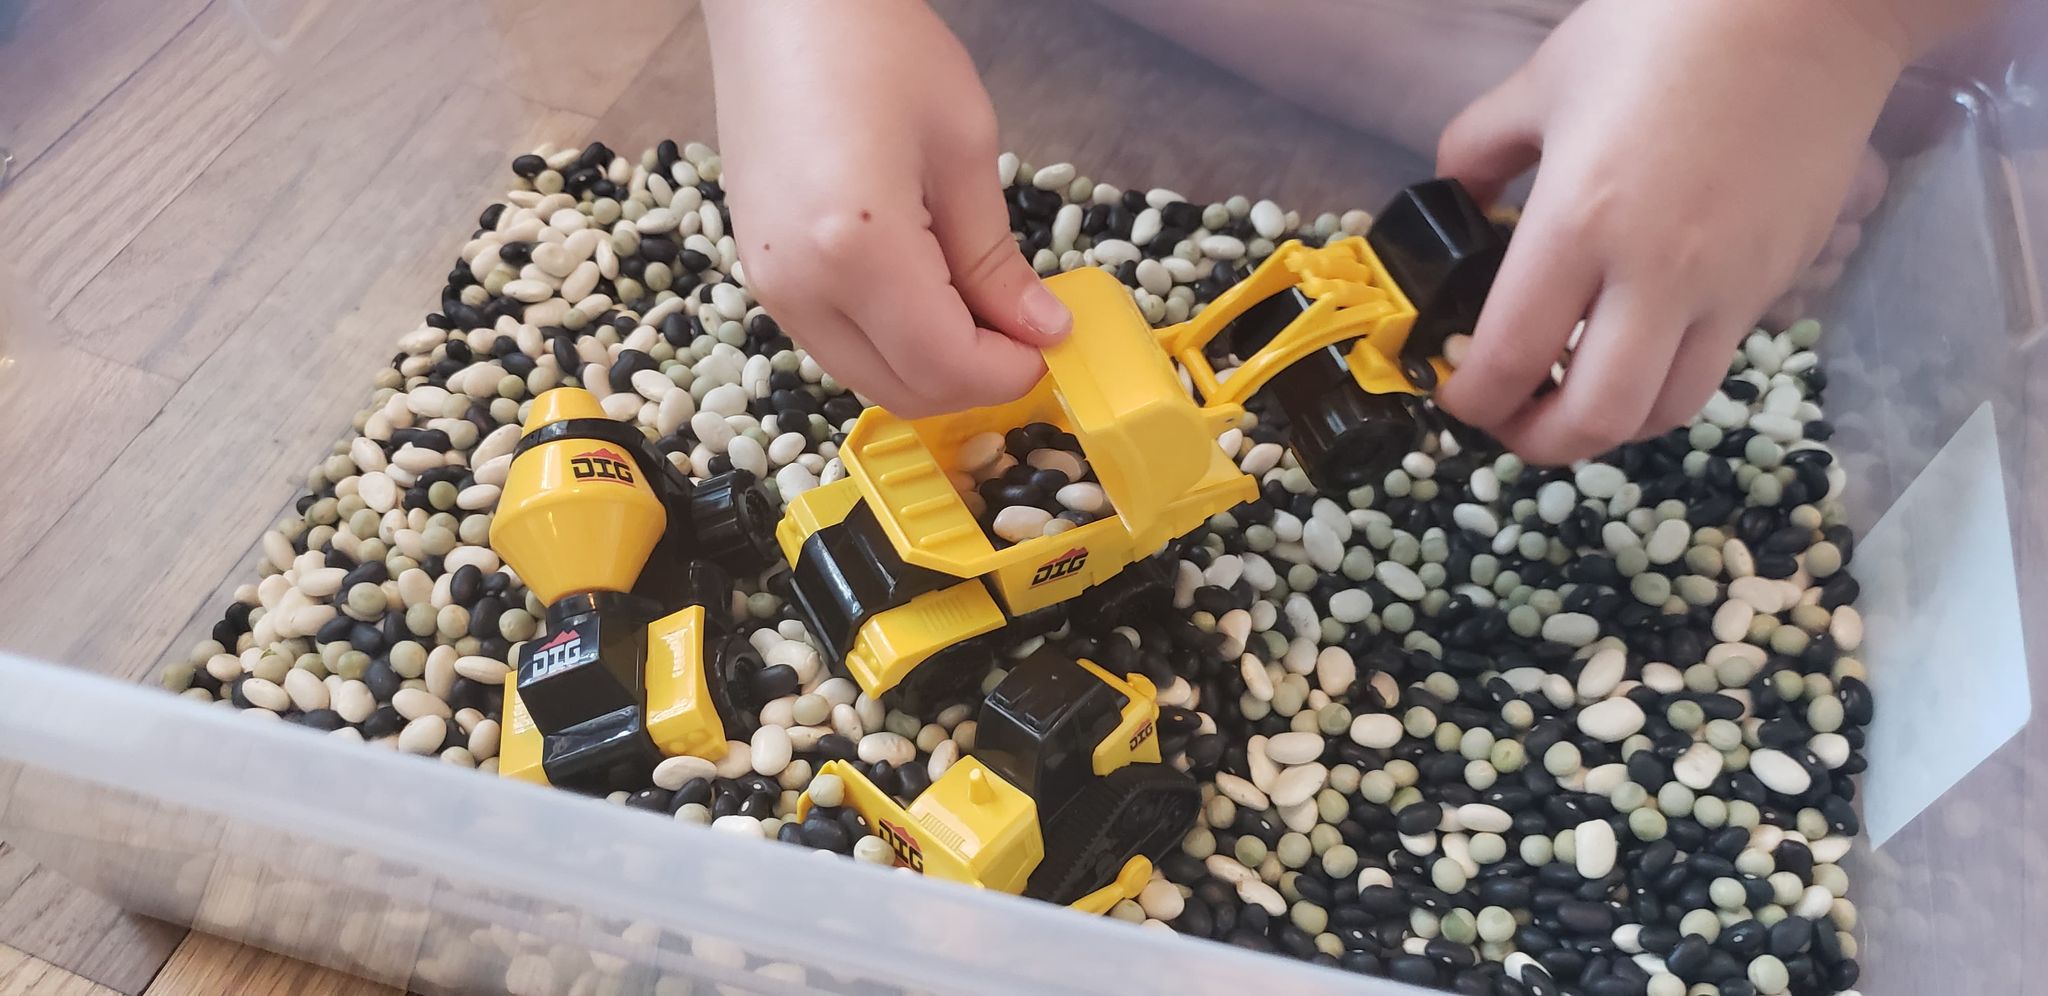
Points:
[(860, 157)]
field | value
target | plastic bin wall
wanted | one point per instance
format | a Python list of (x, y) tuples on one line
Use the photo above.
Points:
[(411, 873)]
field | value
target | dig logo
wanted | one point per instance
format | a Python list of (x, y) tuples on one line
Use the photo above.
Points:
[(1144, 733), (563, 651), (1061, 566), (601, 464), (908, 854)]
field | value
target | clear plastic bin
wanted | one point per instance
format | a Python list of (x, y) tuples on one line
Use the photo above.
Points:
[(400, 871)]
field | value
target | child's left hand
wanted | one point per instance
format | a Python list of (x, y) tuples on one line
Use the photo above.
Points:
[(1694, 157)]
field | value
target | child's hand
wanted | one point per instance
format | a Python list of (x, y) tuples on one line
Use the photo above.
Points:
[(860, 151), (1695, 154)]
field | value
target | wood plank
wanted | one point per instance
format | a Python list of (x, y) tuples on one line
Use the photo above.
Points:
[(63, 57), (70, 413), (233, 444), (670, 97), (175, 511), (195, 271), (77, 206), (205, 965), (580, 57), (44, 914), (24, 975)]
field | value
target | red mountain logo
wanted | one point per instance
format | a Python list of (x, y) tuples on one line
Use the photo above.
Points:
[(601, 464), (908, 854), (1061, 566), (563, 651)]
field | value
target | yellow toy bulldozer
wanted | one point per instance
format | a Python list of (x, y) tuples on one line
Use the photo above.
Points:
[(909, 596), (1064, 792)]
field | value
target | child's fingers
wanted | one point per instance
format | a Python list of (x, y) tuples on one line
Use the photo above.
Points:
[(1492, 142), (842, 350), (1545, 284), (994, 279), (920, 325), (1611, 386), (1696, 371)]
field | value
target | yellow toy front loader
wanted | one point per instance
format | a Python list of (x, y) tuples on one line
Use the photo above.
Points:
[(908, 596)]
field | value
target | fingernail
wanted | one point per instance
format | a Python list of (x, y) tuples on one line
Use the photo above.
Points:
[(1044, 313)]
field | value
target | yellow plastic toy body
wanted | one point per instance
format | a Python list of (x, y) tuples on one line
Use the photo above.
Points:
[(680, 717), (575, 514), (1134, 739), (970, 826), (631, 669), (974, 826), (1151, 445), (1354, 298), (1114, 386)]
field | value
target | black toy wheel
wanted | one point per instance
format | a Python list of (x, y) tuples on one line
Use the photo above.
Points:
[(734, 522), (1442, 249), (1349, 438), (951, 675), (731, 664), (1144, 591), (1138, 809)]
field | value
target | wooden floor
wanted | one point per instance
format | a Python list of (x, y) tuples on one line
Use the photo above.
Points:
[(222, 213)]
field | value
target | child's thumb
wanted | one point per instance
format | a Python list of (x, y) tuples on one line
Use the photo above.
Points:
[(1491, 143)]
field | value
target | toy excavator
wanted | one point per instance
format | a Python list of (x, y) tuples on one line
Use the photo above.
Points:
[(628, 555), (1064, 797)]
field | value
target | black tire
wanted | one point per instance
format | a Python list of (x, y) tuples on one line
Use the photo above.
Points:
[(1443, 251), (1143, 592), (734, 522), (732, 664), (951, 675), (1349, 438), (1138, 809)]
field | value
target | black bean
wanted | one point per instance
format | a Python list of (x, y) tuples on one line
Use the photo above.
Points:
[(1791, 935), (833, 747), (1413, 969), (1745, 939), (774, 682), (1688, 958), (1562, 962), (384, 722), (1383, 901), (1582, 917), (1504, 891), (1721, 966), (697, 790), (335, 630), (1422, 817), (465, 584), (382, 680), (1451, 954), (1194, 918)]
